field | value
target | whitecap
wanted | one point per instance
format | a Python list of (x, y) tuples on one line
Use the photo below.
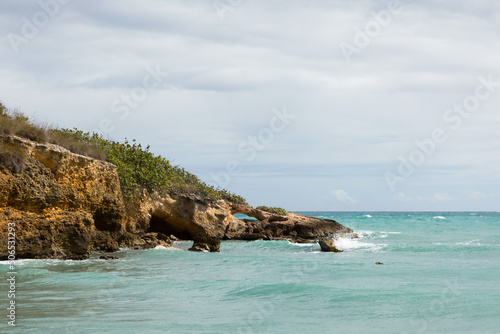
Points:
[(347, 244), (375, 234), (469, 243), (302, 245), (367, 216), (363, 233), (439, 217)]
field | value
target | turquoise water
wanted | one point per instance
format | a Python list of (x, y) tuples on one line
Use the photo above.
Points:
[(441, 274)]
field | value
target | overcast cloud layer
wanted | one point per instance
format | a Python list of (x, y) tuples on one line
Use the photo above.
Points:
[(308, 105)]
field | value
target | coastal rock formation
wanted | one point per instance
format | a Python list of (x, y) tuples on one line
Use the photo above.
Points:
[(189, 217), (269, 226), (327, 245), (206, 244), (184, 216), (64, 205)]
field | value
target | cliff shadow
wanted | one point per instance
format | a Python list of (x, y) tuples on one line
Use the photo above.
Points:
[(162, 225)]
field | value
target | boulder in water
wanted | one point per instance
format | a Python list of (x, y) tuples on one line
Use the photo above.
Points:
[(206, 244), (327, 245)]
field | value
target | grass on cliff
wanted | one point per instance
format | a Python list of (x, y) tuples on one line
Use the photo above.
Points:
[(137, 167), (276, 210), (12, 157)]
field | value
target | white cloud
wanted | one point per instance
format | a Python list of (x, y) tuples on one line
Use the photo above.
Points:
[(342, 196), (353, 120)]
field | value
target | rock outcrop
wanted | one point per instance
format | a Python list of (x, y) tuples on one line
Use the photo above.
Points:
[(63, 205), (193, 218), (66, 205), (327, 245), (269, 226)]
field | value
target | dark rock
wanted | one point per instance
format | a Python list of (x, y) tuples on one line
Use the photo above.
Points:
[(206, 244), (327, 245), (131, 240), (107, 257), (298, 240), (105, 241), (154, 239)]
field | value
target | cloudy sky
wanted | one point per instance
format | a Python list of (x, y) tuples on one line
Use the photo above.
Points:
[(304, 104)]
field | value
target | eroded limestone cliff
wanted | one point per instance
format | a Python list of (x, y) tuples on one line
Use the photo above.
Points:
[(66, 205)]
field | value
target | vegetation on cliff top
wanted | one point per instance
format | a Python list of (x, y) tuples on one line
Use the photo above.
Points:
[(276, 210), (137, 167)]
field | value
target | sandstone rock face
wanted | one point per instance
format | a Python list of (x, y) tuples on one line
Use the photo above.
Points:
[(64, 205), (184, 216), (193, 218)]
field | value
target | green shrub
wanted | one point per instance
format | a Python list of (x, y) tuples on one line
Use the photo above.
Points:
[(140, 169), (276, 210), (13, 122), (137, 167), (59, 137)]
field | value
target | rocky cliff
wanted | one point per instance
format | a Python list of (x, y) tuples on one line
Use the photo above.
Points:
[(66, 205)]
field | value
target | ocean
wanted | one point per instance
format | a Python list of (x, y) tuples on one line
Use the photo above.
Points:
[(440, 274)]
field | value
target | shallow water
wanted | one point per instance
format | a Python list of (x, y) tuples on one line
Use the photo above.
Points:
[(440, 275)]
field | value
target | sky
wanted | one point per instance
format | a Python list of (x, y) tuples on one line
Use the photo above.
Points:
[(303, 104)]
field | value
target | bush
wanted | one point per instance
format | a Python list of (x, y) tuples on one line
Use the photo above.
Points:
[(3, 109), (276, 210), (140, 169), (15, 123), (137, 167), (59, 137), (12, 157)]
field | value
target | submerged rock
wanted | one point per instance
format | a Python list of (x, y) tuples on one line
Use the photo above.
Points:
[(107, 257), (327, 245)]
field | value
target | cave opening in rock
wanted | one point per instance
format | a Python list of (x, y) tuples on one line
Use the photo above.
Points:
[(162, 225)]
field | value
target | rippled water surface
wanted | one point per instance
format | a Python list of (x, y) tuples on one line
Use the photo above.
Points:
[(441, 274)]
